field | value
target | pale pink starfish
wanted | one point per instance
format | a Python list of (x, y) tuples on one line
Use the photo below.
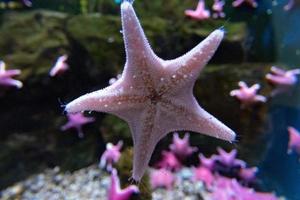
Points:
[(76, 121), (294, 140), (169, 161), (200, 13), (208, 163), (6, 79), (248, 174), (229, 159), (116, 193), (110, 156), (218, 9), (60, 66), (181, 147), (155, 96), (203, 174), (238, 3), (248, 95), (162, 178), (282, 79)]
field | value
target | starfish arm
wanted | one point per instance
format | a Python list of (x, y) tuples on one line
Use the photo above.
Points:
[(54, 71), (255, 87), (12, 72), (281, 80), (200, 6), (185, 69), (66, 126), (242, 84), (136, 44), (110, 100), (145, 137), (192, 117), (11, 82), (294, 71), (127, 192), (237, 3), (235, 93), (114, 185), (277, 71), (141, 61), (260, 98)]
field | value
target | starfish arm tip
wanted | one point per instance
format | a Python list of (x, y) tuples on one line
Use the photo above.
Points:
[(125, 5), (231, 137), (219, 33), (233, 93)]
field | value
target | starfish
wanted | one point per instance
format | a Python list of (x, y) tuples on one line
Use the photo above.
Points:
[(111, 155), (208, 163), (229, 159), (169, 161), (77, 121), (6, 77), (248, 95), (218, 9), (115, 192), (162, 178), (238, 3), (155, 96), (181, 147), (60, 66), (294, 140), (200, 13), (282, 79)]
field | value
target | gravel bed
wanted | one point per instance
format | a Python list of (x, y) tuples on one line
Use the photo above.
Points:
[(90, 183)]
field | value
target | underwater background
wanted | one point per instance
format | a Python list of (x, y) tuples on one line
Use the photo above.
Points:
[(33, 36)]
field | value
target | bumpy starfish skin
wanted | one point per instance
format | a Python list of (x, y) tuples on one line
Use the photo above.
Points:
[(154, 96)]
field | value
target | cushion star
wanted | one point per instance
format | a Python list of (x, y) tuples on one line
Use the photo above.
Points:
[(155, 96)]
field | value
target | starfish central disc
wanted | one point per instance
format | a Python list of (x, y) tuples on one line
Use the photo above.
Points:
[(155, 96)]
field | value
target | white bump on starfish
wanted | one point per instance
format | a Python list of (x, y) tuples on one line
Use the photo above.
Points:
[(161, 98)]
